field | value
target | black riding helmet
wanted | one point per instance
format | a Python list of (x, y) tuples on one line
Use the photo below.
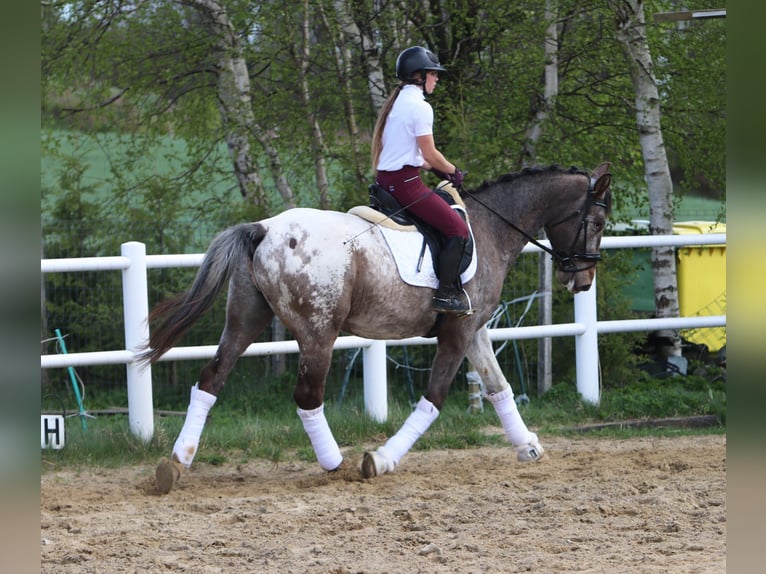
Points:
[(416, 59)]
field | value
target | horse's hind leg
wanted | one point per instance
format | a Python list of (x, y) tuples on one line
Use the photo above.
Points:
[(500, 394), (313, 366), (247, 315)]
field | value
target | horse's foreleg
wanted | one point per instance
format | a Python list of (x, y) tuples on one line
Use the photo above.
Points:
[(500, 394), (387, 457), (313, 366)]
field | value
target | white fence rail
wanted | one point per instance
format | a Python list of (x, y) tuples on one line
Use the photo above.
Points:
[(134, 263)]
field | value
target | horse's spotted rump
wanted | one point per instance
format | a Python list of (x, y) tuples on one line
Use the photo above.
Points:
[(306, 267)]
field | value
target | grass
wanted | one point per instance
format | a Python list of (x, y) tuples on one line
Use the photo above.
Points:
[(240, 430)]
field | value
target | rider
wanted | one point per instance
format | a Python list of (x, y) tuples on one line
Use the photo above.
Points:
[(402, 144)]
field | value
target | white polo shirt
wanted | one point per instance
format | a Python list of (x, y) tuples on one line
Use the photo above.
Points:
[(411, 116)]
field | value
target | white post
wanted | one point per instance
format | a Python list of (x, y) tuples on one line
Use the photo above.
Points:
[(586, 345), (375, 385), (135, 300)]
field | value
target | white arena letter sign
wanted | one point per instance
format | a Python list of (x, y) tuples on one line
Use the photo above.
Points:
[(52, 431)]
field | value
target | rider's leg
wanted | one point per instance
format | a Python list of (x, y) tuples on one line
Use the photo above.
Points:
[(449, 297), (433, 210)]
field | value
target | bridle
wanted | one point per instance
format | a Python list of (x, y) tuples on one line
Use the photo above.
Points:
[(567, 260)]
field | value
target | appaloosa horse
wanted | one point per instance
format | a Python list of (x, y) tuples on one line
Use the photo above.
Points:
[(323, 272)]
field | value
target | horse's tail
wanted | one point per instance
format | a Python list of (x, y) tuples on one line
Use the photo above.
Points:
[(231, 248)]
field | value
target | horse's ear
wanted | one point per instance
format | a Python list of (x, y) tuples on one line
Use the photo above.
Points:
[(601, 178)]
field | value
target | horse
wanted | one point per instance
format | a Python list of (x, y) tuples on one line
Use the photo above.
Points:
[(324, 272)]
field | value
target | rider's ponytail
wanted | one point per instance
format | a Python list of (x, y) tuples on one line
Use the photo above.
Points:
[(377, 134)]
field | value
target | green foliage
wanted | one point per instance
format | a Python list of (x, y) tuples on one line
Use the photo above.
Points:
[(147, 71)]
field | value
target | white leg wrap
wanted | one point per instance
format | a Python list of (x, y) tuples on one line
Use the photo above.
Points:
[(515, 428), (320, 435), (413, 428), (187, 442)]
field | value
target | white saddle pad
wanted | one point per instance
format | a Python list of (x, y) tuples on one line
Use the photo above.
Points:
[(405, 246)]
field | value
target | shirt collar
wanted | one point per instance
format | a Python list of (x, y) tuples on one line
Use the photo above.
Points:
[(410, 87)]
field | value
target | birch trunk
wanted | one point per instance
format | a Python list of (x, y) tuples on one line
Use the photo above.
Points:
[(342, 31), (631, 33), (235, 106), (362, 37), (318, 144), (529, 155), (543, 106)]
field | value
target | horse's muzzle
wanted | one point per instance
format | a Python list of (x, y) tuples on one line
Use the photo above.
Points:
[(576, 282)]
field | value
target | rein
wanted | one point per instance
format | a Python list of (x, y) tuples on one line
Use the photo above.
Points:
[(567, 261)]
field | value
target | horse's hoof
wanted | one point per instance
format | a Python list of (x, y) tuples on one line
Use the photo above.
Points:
[(368, 465), (531, 452), (167, 474), (375, 463)]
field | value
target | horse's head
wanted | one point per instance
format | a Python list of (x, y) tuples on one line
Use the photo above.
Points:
[(576, 238)]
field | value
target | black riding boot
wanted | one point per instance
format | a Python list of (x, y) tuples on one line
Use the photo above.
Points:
[(449, 298)]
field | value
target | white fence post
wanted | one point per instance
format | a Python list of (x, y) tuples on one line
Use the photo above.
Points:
[(375, 384), (135, 300), (586, 345)]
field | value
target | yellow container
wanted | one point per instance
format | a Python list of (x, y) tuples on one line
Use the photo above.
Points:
[(701, 272)]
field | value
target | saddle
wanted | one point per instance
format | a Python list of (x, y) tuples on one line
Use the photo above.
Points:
[(385, 210)]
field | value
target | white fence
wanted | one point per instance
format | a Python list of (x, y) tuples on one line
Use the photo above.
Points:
[(134, 263)]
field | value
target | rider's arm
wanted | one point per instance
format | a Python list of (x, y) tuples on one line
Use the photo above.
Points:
[(434, 159)]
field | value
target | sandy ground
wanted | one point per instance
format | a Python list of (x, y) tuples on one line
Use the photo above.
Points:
[(648, 505)]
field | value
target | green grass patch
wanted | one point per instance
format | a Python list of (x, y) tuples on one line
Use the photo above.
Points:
[(267, 427)]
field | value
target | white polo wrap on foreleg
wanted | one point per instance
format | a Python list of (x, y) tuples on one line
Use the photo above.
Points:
[(414, 427), (320, 435), (187, 442)]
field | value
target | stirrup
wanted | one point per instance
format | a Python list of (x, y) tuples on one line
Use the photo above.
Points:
[(450, 301)]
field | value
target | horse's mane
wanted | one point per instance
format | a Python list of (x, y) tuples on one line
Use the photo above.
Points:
[(531, 171)]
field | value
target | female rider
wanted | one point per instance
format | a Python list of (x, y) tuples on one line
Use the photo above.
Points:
[(402, 145)]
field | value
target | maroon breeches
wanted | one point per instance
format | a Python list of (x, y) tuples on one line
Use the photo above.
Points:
[(415, 196)]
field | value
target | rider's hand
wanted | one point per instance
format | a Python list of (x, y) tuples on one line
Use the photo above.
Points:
[(456, 178), (438, 173)]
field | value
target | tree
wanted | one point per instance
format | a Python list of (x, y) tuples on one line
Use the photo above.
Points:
[(631, 31)]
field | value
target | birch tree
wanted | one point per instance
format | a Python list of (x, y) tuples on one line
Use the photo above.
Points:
[(631, 33), (235, 105), (543, 105), (345, 34), (540, 111)]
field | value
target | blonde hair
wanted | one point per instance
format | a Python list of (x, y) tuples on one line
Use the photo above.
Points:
[(377, 134)]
